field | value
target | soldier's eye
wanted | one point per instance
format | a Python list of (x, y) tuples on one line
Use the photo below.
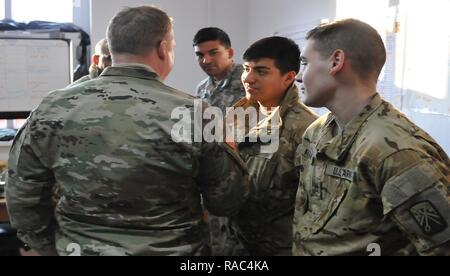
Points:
[(262, 73)]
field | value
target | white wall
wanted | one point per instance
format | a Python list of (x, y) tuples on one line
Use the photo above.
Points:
[(189, 16), (268, 16), (244, 20), (232, 16)]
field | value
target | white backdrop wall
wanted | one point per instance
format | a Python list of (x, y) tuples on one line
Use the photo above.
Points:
[(189, 17), (244, 20), (269, 16)]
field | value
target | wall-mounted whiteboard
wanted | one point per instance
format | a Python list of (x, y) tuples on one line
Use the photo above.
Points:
[(30, 69)]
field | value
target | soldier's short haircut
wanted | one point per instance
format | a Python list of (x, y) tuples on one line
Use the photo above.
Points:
[(284, 51), (101, 48), (361, 43), (212, 34), (138, 30)]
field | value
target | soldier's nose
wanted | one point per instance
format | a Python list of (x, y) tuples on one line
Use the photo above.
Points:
[(248, 78), (299, 78), (207, 60)]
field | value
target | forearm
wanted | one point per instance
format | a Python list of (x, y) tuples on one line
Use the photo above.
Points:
[(31, 213), (416, 196)]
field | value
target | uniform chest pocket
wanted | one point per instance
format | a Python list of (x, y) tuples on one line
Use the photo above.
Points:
[(326, 189), (261, 168)]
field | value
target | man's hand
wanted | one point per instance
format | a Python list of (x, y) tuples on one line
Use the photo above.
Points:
[(232, 145)]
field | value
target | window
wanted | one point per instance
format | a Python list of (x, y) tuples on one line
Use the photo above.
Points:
[(44, 10)]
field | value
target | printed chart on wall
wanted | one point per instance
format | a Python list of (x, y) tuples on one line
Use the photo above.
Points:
[(30, 69)]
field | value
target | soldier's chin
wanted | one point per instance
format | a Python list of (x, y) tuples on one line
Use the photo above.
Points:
[(211, 71), (250, 97)]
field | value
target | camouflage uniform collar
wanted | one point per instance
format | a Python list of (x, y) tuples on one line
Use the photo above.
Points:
[(336, 148), (135, 65), (132, 70), (227, 80), (290, 99)]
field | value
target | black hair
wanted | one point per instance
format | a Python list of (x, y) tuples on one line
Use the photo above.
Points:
[(284, 51), (212, 34)]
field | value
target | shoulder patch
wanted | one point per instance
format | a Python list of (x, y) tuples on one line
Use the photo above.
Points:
[(428, 218)]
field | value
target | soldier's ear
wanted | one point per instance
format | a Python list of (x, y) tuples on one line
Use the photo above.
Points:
[(95, 59), (337, 60), (163, 49), (230, 52), (290, 77)]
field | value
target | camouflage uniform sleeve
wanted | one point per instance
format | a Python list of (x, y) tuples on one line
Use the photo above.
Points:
[(81, 80), (198, 89), (29, 193), (416, 196), (223, 179)]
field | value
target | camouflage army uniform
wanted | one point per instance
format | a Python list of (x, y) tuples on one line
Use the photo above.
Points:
[(126, 187), (81, 80), (381, 181), (264, 224), (92, 75), (224, 93)]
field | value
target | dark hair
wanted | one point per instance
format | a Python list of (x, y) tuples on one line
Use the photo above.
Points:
[(361, 43), (138, 30), (212, 34), (284, 51)]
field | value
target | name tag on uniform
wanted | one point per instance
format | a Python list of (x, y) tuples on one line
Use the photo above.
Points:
[(340, 173)]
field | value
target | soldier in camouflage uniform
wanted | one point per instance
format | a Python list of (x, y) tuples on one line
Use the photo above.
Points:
[(371, 180), (100, 60), (222, 89), (264, 224), (126, 187)]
